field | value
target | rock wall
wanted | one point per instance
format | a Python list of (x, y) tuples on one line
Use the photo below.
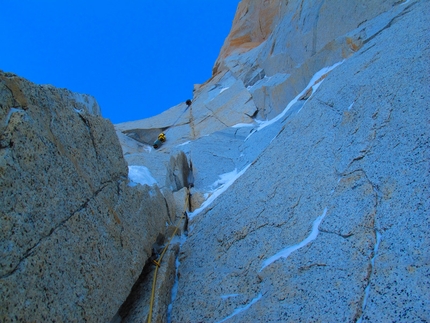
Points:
[(74, 235), (309, 148), (325, 204), (329, 219), (291, 41)]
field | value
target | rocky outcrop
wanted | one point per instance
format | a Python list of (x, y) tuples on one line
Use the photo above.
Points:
[(310, 166), (74, 235), (328, 222), (291, 41), (309, 148)]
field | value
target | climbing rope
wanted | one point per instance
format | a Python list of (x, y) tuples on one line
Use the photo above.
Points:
[(158, 262), (162, 136), (188, 103), (187, 204)]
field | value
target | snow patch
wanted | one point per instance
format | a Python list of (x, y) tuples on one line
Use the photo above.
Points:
[(350, 107), (88, 101), (140, 175), (147, 148), (223, 89), (284, 253), (11, 111), (174, 291), (181, 241), (242, 125), (226, 180), (184, 143), (242, 308), (314, 83)]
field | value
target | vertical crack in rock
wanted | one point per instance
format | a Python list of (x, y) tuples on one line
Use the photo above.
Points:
[(136, 306), (377, 238), (192, 125), (136, 291), (315, 33), (369, 276), (88, 125)]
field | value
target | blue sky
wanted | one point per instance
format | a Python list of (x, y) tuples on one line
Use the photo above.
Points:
[(137, 57)]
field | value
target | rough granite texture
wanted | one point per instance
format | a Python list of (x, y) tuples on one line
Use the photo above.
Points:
[(74, 235), (353, 155), (357, 155), (329, 222)]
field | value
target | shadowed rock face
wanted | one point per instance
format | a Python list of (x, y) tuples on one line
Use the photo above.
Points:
[(74, 235)]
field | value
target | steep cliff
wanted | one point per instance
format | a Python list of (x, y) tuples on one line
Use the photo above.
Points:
[(310, 159), (74, 234), (310, 149)]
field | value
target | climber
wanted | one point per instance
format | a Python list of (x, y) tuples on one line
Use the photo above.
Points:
[(161, 138)]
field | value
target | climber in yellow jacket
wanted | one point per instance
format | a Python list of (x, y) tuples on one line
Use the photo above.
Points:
[(161, 138)]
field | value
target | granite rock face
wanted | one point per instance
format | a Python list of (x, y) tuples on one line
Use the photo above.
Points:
[(330, 220), (314, 193), (310, 164), (74, 235)]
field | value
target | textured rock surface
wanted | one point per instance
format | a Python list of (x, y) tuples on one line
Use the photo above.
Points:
[(305, 36), (74, 235), (139, 310), (344, 183), (319, 213)]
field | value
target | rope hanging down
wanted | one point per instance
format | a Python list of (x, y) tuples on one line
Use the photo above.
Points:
[(162, 136), (158, 262)]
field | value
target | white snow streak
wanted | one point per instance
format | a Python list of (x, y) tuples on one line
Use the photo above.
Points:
[(184, 143), (226, 180), (11, 111), (242, 125), (372, 262), (350, 107), (243, 308), (181, 241), (284, 253), (140, 175), (312, 84)]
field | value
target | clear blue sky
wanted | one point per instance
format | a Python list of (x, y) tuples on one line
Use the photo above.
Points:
[(137, 57)]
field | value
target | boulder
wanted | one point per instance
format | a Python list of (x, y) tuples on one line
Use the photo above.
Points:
[(74, 235)]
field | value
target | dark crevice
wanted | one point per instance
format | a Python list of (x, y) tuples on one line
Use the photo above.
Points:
[(137, 289), (390, 23), (345, 236)]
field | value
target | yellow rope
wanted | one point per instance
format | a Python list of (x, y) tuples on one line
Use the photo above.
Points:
[(158, 262)]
